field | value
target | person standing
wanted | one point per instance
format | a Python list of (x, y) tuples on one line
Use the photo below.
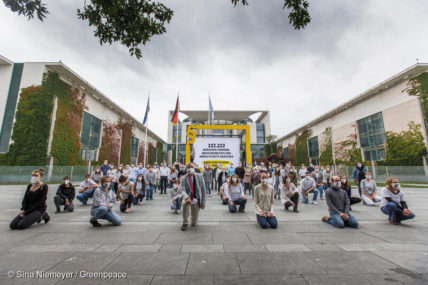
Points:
[(327, 177), (277, 181), (164, 176), (65, 196), (125, 189), (96, 175), (231, 170), (173, 172), (359, 174), (393, 202), (247, 180), (221, 178), (102, 208), (33, 204), (319, 181), (224, 189), (208, 179), (311, 168), (368, 187), (338, 206), (240, 171), (307, 186), (132, 173), (235, 194), (256, 177), (151, 183), (86, 190), (289, 194), (263, 203), (192, 188), (302, 171), (293, 175), (105, 168)]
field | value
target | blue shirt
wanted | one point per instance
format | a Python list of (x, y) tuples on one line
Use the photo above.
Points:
[(105, 168), (231, 171), (141, 171)]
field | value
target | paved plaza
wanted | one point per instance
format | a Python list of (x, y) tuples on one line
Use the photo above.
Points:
[(223, 249)]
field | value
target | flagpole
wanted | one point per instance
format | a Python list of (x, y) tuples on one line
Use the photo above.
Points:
[(176, 140), (147, 126), (209, 111)]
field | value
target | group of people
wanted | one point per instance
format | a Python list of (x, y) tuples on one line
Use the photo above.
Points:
[(189, 187)]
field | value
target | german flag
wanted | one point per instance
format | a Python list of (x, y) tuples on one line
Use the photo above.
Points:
[(175, 115)]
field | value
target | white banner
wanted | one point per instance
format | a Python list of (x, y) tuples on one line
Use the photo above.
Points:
[(213, 151)]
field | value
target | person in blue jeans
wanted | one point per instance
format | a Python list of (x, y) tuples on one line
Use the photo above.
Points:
[(307, 186), (319, 181), (393, 203), (235, 195), (150, 183), (102, 208), (263, 203), (86, 189), (176, 197), (338, 206)]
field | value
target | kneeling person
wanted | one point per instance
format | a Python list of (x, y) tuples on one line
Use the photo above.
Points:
[(236, 195), (126, 189), (102, 207), (338, 206), (263, 202), (176, 197), (65, 195)]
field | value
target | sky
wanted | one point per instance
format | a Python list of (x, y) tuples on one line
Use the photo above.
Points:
[(246, 58)]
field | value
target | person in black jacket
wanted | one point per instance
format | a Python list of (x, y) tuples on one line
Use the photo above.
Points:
[(345, 186), (34, 203), (240, 171), (65, 195)]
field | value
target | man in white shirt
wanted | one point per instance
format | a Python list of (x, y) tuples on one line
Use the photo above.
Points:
[(132, 171), (86, 189), (164, 177)]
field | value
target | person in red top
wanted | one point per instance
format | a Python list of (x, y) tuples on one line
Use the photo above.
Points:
[(192, 188)]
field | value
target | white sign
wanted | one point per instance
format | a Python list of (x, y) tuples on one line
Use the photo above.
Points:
[(213, 151)]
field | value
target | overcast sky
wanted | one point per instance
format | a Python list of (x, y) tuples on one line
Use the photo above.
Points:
[(247, 57)]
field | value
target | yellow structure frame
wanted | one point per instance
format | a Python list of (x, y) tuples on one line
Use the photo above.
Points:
[(191, 136)]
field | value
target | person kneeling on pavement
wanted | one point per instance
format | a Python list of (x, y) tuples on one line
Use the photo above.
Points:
[(289, 194), (64, 196), (125, 194), (236, 195), (102, 207), (176, 197), (338, 206)]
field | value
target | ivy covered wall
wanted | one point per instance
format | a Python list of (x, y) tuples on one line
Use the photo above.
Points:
[(419, 87), (141, 152), (110, 143), (347, 152), (326, 156), (150, 154), (125, 148), (302, 155)]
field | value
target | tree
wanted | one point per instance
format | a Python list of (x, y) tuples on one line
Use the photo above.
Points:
[(135, 22)]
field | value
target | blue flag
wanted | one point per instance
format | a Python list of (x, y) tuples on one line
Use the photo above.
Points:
[(211, 110), (147, 111)]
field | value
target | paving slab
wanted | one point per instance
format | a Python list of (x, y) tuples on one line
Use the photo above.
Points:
[(414, 261), (213, 264)]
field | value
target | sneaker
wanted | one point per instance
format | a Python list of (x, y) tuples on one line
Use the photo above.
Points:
[(94, 223), (184, 227), (46, 217), (325, 219), (178, 211), (128, 210), (393, 223), (57, 211), (295, 210), (322, 199), (241, 210), (315, 202)]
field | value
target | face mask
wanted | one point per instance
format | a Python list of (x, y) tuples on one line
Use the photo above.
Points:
[(307, 177), (368, 176), (106, 185), (316, 170), (396, 186), (288, 180), (264, 181), (175, 186), (105, 163), (234, 179), (141, 166), (34, 179), (328, 168), (343, 181), (191, 171), (66, 181), (120, 167), (359, 165), (336, 184), (87, 180), (139, 179)]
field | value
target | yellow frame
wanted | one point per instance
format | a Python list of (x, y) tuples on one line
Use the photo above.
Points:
[(191, 135)]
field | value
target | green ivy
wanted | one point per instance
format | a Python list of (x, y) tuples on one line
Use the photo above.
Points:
[(302, 155), (150, 153), (267, 150), (273, 147), (109, 149), (292, 153), (125, 149), (419, 87), (69, 115), (407, 147), (31, 128), (159, 152), (174, 152), (326, 156)]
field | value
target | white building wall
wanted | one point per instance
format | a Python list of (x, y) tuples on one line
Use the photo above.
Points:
[(5, 77)]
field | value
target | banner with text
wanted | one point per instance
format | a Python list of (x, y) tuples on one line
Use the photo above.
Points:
[(213, 151)]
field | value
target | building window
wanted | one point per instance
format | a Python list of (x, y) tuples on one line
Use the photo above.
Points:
[(134, 149), (217, 132), (260, 127), (372, 137), (313, 150), (90, 136), (174, 133), (257, 151), (285, 152)]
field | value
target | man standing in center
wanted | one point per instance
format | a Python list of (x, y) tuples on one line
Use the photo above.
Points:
[(192, 188)]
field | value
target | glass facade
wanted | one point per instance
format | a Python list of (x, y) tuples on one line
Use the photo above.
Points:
[(257, 151), (371, 132), (174, 133), (134, 149), (313, 150), (260, 127), (90, 136), (285, 152), (218, 132)]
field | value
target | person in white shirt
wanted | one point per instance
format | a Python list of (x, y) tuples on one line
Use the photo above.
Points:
[(139, 190), (368, 189), (393, 202), (164, 177), (176, 197), (86, 189), (302, 171), (132, 173), (236, 195), (224, 188), (125, 195)]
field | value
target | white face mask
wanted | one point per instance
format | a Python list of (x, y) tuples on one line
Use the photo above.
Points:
[(287, 180), (264, 181), (307, 177), (396, 186), (140, 178), (316, 170), (66, 181), (336, 184), (191, 171), (234, 179), (368, 176), (34, 179), (328, 168), (175, 186), (343, 181), (359, 165), (106, 185)]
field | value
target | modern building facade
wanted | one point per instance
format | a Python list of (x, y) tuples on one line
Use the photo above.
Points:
[(102, 129), (259, 129), (364, 119)]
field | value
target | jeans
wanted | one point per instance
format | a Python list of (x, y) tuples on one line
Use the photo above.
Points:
[(208, 187), (19, 223), (177, 205), (337, 221), (58, 200), (163, 184), (276, 189), (267, 221), (84, 196), (305, 201), (321, 190), (102, 212), (241, 202), (395, 213), (138, 197), (149, 191)]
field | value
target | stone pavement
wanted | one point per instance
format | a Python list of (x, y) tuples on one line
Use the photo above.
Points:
[(223, 249)]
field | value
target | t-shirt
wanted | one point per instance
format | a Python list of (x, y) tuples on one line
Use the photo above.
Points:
[(235, 192), (396, 197), (368, 186), (306, 184), (125, 188)]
